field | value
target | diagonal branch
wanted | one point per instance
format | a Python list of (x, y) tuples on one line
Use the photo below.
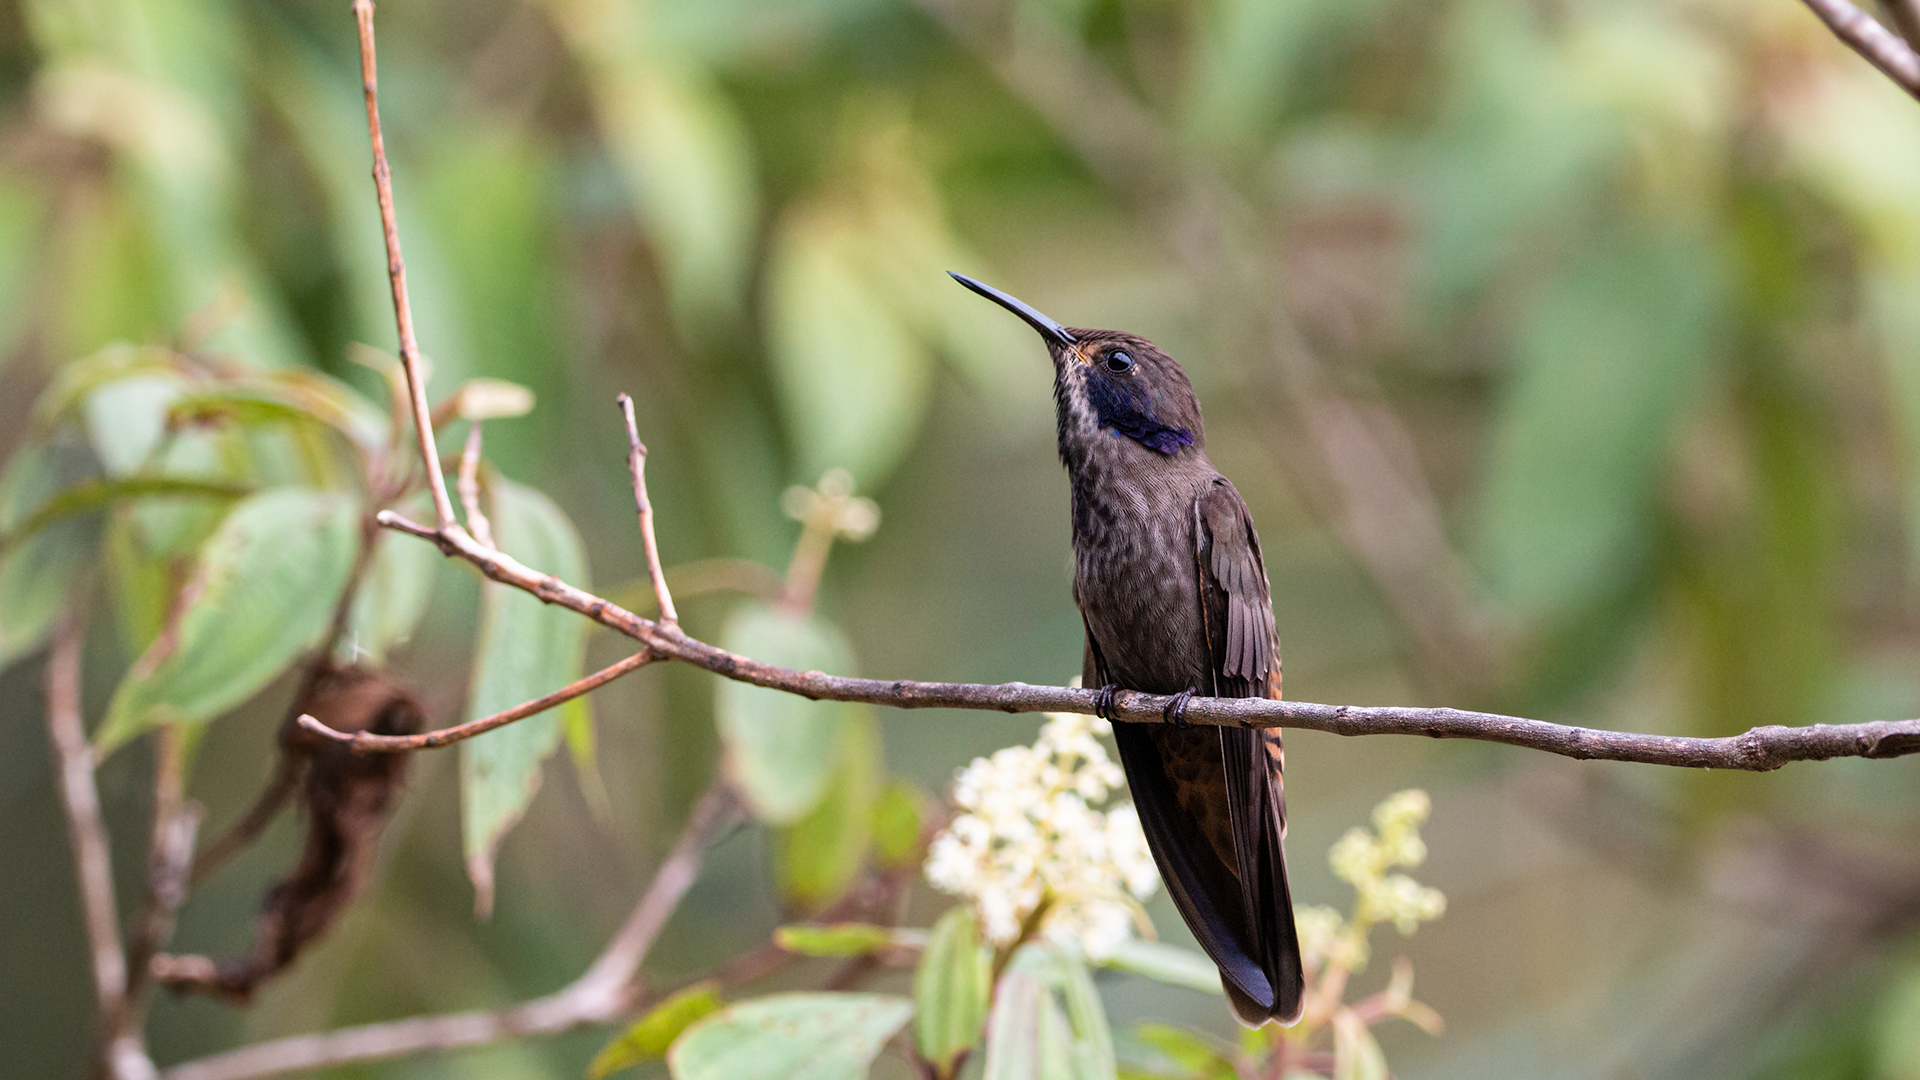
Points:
[(1875, 43), (607, 989), (367, 742)]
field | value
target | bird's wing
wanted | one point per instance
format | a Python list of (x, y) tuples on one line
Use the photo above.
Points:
[(1246, 663)]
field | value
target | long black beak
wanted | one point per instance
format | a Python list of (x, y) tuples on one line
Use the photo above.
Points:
[(1048, 329)]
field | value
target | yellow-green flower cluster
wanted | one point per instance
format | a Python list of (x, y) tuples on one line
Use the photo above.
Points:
[(1362, 859)]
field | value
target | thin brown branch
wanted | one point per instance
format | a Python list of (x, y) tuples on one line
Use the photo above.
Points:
[(367, 742), (397, 269), (1875, 43), (469, 485), (637, 465), (606, 991), (1905, 17), (86, 829), (1760, 749)]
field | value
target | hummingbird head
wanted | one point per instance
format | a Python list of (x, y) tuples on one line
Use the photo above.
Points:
[(1110, 383)]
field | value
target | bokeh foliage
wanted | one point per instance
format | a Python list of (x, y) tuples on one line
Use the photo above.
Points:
[(1638, 278)]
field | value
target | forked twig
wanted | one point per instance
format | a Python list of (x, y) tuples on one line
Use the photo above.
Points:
[(637, 465), (367, 742)]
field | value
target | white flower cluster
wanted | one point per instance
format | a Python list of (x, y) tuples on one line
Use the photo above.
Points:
[(1028, 835), (1362, 859)]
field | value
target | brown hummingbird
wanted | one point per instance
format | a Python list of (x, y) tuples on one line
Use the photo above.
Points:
[(1170, 584)]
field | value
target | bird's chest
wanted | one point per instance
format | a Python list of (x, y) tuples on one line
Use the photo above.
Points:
[(1134, 579)]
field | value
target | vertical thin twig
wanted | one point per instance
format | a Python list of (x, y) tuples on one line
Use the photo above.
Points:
[(637, 465), (86, 829), (397, 272), (169, 869), (469, 485)]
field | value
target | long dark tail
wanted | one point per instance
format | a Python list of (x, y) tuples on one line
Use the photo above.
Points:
[(1212, 802)]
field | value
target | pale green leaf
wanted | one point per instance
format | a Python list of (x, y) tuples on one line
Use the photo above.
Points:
[(1606, 364), (392, 597), (651, 1035), (44, 557), (262, 593), (1356, 1054), (897, 823), (951, 988), (1165, 963), (854, 378), (781, 749), (525, 649), (790, 1037), (127, 418), (1027, 1036), (818, 857)]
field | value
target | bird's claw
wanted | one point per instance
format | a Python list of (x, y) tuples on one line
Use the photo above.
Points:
[(1103, 701), (1176, 711)]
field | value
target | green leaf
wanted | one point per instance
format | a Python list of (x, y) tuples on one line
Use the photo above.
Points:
[(1027, 1037), (781, 749), (43, 558), (842, 939), (897, 824), (790, 1037), (290, 396), (1165, 963), (818, 857), (1606, 364), (950, 991), (651, 1035), (76, 381), (1165, 1050), (1091, 1047), (576, 720), (525, 649), (854, 379), (686, 156), (127, 418), (392, 598), (262, 593), (90, 495), (1356, 1054)]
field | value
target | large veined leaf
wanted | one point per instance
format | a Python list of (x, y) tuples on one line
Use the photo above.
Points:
[(781, 749), (854, 378), (127, 418), (818, 857), (262, 593), (790, 1037), (1027, 1037), (951, 988), (525, 649), (1606, 363)]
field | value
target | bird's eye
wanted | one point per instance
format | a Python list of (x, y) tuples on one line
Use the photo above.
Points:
[(1119, 362)]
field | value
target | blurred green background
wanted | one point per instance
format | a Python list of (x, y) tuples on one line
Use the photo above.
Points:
[(1567, 354)]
